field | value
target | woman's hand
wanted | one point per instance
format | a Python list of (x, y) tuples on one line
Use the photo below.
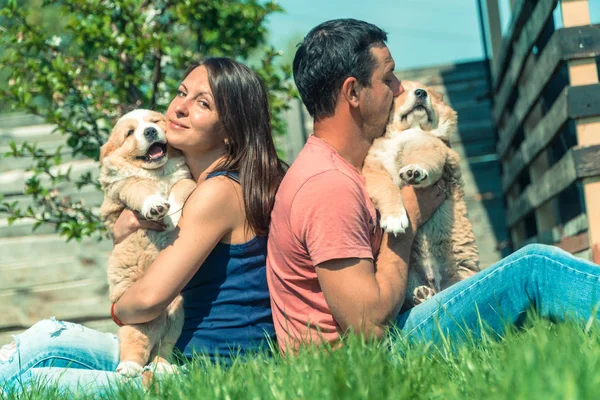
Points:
[(130, 221)]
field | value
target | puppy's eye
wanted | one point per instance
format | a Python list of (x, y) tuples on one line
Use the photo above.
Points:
[(155, 121), (129, 133)]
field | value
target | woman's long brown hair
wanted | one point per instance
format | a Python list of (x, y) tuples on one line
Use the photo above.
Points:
[(243, 108)]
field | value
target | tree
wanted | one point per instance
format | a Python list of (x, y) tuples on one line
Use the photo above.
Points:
[(107, 57)]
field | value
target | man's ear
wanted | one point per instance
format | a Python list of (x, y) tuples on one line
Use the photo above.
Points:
[(351, 91)]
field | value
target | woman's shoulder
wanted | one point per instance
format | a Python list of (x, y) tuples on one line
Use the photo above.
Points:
[(217, 194)]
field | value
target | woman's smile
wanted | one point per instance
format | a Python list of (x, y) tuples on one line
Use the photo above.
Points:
[(176, 125)]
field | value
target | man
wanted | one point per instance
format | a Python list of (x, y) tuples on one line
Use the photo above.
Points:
[(330, 269), (324, 237)]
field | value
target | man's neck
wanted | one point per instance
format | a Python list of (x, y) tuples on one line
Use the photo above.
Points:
[(346, 138)]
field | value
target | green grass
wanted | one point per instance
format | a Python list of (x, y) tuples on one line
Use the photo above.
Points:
[(542, 361)]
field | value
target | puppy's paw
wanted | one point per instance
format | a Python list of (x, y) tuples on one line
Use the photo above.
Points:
[(129, 369), (162, 368), (155, 207), (395, 223), (414, 174), (422, 293)]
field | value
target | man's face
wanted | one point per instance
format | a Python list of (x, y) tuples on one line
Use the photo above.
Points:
[(377, 100)]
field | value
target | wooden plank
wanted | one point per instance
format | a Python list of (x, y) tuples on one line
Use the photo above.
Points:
[(557, 234), (556, 179), (71, 301), (587, 161), (33, 134), (495, 32), (13, 182), (529, 36), (102, 325), (488, 220), (297, 134), (481, 177), (48, 271), (579, 162), (575, 244), (582, 72), (574, 102), (575, 12), (565, 44), (519, 15), (446, 74), (585, 255), (23, 250), (17, 119)]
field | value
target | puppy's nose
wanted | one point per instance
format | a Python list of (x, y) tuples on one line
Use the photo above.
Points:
[(150, 133), (421, 94)]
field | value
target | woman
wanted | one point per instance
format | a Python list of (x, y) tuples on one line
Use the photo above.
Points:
[(219, 119)]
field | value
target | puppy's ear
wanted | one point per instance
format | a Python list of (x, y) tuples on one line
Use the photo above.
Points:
[(106, 149), (159, 119), (448, 122), (351, 91)]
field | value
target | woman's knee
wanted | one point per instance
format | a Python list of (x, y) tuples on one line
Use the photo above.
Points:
[(50, 327)]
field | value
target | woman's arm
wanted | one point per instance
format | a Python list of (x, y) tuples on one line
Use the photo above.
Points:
[(211, 211)]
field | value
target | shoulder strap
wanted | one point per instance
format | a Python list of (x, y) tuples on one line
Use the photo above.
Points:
[(231, 175)]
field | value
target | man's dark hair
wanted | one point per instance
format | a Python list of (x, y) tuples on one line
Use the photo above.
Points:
[(328, 55)]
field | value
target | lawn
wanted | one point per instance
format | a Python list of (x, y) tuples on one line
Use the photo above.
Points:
[(541, 361)]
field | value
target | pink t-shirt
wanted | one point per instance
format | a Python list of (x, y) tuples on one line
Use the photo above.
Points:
[(322, 212)]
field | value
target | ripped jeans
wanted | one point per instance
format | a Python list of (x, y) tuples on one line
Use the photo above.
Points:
[(53, 352)]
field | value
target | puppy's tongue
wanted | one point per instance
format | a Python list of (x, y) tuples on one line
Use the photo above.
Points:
[(155, 151)]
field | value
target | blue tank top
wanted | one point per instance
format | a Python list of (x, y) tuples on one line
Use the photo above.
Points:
[(226, 303)]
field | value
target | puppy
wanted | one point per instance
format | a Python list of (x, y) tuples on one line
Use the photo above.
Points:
[(415, 150), (139, 171)]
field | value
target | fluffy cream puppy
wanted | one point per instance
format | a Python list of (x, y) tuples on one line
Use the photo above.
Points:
[(139, 171), (415, 150)]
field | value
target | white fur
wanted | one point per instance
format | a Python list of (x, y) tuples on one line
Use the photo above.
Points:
[(416, 181), (162, 368), (129, 369), (395, 224), (385, 149), (156, 203)]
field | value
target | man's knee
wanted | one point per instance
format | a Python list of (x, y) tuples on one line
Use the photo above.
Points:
[(536, 249)]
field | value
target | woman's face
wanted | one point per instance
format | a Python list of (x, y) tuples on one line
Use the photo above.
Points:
[(192, 119)]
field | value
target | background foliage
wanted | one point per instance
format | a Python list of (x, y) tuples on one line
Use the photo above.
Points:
[(80, 64)]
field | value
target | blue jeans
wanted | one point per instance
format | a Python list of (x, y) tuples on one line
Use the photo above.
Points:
[(53, 352), (543, 278)]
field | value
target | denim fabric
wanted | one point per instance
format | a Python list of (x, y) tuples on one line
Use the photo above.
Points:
[(543, 278), (81, 359)]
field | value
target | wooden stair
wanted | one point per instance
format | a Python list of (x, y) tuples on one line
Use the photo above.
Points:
[(42, 275)]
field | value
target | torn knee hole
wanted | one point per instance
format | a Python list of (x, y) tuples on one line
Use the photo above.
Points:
[(8, 351)]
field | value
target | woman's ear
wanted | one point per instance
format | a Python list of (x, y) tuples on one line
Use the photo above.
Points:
[(351, 91)]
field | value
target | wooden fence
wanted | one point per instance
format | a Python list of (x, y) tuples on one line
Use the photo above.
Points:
[(547, 112)]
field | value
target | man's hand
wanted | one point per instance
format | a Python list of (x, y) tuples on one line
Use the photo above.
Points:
[(130, 221), (421, 203)]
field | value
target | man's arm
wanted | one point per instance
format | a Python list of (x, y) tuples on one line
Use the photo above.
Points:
[(365, 297)]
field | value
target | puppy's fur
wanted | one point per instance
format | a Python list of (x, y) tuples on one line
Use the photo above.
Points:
[(415, 150), (139, 171)]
